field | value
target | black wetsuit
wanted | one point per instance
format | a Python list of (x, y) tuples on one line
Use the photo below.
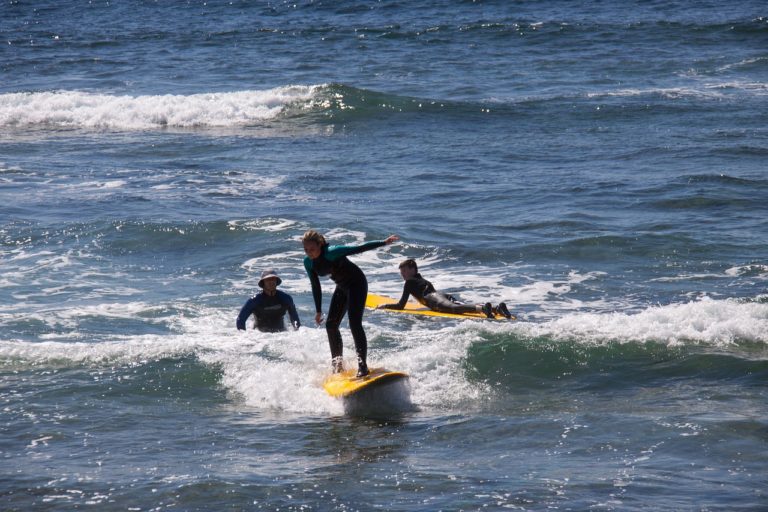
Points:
[(423, 291), (348, 297), (269, 311)]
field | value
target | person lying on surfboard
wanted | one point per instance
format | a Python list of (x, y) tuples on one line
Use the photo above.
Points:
[(269, 306), (349, 297), (423, 291)]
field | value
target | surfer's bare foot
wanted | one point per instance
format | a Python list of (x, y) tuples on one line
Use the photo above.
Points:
[(337, 365), (362, 370)]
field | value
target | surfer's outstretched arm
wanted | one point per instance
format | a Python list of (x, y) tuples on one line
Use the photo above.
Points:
[(401, 303)]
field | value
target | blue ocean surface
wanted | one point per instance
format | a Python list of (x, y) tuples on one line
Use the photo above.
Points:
[(601, 167)]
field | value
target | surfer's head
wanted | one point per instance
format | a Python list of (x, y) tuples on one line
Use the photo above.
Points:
[(408, 268), (268, 277), (313, 243)]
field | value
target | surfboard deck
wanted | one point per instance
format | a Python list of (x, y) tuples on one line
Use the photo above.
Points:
[(346, 383), (413, 308)]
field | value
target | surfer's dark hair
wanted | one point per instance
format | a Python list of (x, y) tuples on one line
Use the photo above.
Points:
[(410, 263)]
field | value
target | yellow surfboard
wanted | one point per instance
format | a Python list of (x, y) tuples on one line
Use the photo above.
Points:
[(414, 308), (346, 384)]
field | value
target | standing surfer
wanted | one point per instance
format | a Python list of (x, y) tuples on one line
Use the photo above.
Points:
[(348, 297)]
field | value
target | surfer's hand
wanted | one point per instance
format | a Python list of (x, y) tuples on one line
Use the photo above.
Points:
[(391, 238), (318, 318)]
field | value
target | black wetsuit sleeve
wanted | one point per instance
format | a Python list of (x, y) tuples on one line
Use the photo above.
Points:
[(288, 301), (403, 299), (245, 312), (417, 287), (314, 279)]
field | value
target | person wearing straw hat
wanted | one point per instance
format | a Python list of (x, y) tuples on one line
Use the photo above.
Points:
[(269, 306)]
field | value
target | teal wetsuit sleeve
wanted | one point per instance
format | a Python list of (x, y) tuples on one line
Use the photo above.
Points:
[(337, 251), (314, 279)]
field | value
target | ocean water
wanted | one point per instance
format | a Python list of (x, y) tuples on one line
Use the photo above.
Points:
[(599, 166)]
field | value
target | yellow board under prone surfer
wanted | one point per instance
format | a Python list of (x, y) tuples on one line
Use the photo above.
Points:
[(346, 383), (414, 308)]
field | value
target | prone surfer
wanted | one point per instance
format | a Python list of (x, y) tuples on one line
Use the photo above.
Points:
[(348, 297), (269, 306), (424, 292)]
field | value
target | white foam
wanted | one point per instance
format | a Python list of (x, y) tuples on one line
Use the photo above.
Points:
[(703, 91), (281, 371), (77, 109), (170, 184), (706, 321), (743, 63), (666, 92), (284, 371), (103, 184), (699, 90), (755, 88), (756, 270), (267, 225), (135, 349), (247, 185), (66, 320)]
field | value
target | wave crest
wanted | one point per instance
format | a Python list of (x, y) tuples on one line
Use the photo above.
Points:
[(77, 109)]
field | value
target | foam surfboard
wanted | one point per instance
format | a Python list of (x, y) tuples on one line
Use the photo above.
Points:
[(346, 384), (414, 308)]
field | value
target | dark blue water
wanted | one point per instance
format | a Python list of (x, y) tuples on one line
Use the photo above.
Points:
[(599, 167)]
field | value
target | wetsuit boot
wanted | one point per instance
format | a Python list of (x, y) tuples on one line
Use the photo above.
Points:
[(503, 311), (362, 365)]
